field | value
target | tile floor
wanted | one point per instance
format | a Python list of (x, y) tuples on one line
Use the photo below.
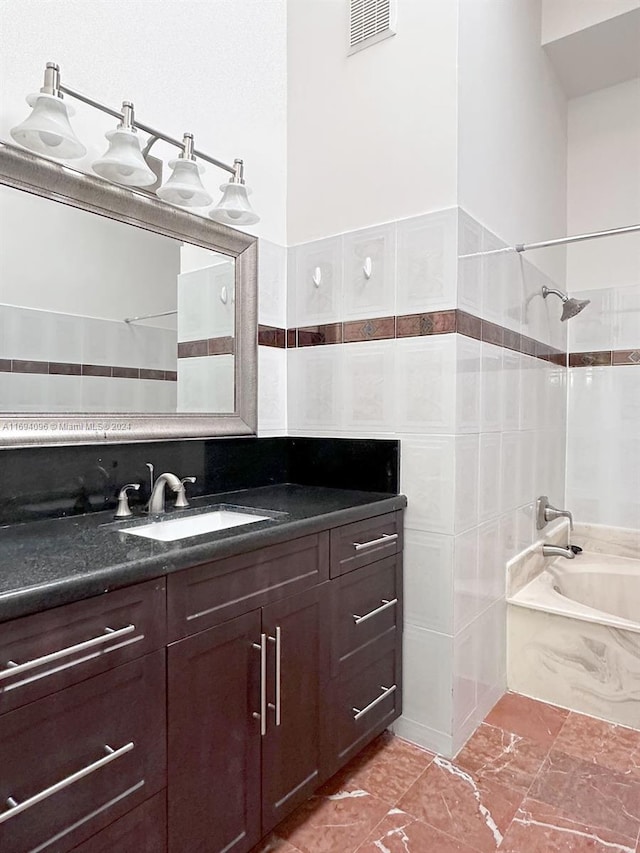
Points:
[(533, 779)]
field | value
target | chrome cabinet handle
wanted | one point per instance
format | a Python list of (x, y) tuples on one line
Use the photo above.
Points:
[(386, 691), (15, 807), (386, 537), (262, 716), (386, 604), (14, 668), (277, 707)]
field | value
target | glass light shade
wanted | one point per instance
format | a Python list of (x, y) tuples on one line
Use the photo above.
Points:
[(183, 186), (47, 130), (123, 161), (234, 207)]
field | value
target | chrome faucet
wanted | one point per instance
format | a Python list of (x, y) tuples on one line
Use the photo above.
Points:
[(156, 501), (546, 513), (558, 551)]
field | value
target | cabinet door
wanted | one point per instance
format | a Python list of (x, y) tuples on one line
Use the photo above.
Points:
[(296, 629), (214, 739)]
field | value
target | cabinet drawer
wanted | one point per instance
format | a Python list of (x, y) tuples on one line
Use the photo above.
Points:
[(143, 830), (363, 542), (366, 608), (213, 593), (68, 644), (74, 762), (363, 708)]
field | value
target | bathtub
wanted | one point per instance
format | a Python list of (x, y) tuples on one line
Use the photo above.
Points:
[(573, 637)]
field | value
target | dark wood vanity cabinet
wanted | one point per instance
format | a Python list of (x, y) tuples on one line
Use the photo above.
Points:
[(234, 696)]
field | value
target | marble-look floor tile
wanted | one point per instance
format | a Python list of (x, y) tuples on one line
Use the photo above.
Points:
[(588, 793), (505, 757), (273, 844), (336, 823), (528, 718), (615, 747), (539, 828), (476, 812), (386, 769), (401, 833)]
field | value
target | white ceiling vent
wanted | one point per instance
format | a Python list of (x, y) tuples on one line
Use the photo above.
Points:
[(370, 21)]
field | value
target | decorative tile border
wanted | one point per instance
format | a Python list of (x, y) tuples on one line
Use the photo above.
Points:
[(67, 368), (411, 326), (604, 358), (206, 347), (271, 336)]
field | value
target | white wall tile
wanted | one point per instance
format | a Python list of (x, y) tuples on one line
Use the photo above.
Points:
[(509, 471), (368, 387), (316, 303), (491, 568), (427, 478), (465, 584), (491, 388), (593, 328), (626, 326), (374, 296), (466, 497), (272, 390), (510, 390), (427, 262), (272, 284), (428, 580), (470, 269), (425, 384), (314, 388), (490, 480), (469, 370), (205, 384), (428, 665)]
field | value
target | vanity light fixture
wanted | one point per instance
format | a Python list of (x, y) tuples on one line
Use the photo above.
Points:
[(48, 131), (183, 186), (123, 161), (234, 207)]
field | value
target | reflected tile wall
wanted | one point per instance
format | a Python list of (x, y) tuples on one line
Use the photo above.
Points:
[(482, 432)]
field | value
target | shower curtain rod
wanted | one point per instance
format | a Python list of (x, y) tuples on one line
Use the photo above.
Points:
[(149, 316), (576, 238)]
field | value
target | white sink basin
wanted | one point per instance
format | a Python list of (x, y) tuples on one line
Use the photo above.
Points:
[(194, 525)]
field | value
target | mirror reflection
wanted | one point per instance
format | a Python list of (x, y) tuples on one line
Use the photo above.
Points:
[(100, 316)]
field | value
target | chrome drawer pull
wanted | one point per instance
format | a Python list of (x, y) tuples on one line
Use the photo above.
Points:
[(277, 707), (386, 691), (14, 668), (386, 537), (262, 716), (386, 604), (15, 807)]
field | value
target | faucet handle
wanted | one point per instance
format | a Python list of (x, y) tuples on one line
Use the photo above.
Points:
[(124, 510), (546, 513), (181, 499)]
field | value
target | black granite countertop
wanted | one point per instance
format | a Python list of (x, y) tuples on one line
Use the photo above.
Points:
[(44, 564)]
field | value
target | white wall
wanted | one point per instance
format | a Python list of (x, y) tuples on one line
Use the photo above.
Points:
[(217, 69), (512, 127), (563, 17), (372, 137), (603, 186)]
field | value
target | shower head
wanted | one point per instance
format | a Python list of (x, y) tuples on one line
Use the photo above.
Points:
[(570, 307)]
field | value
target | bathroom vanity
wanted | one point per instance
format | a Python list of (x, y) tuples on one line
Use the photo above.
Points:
[(212, 687)]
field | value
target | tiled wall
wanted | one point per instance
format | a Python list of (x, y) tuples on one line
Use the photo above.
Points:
[(603, 442), (481, 423), (272, 361), (65, 363)]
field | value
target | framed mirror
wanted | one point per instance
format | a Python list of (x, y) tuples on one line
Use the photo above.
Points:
[(122, 318)]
